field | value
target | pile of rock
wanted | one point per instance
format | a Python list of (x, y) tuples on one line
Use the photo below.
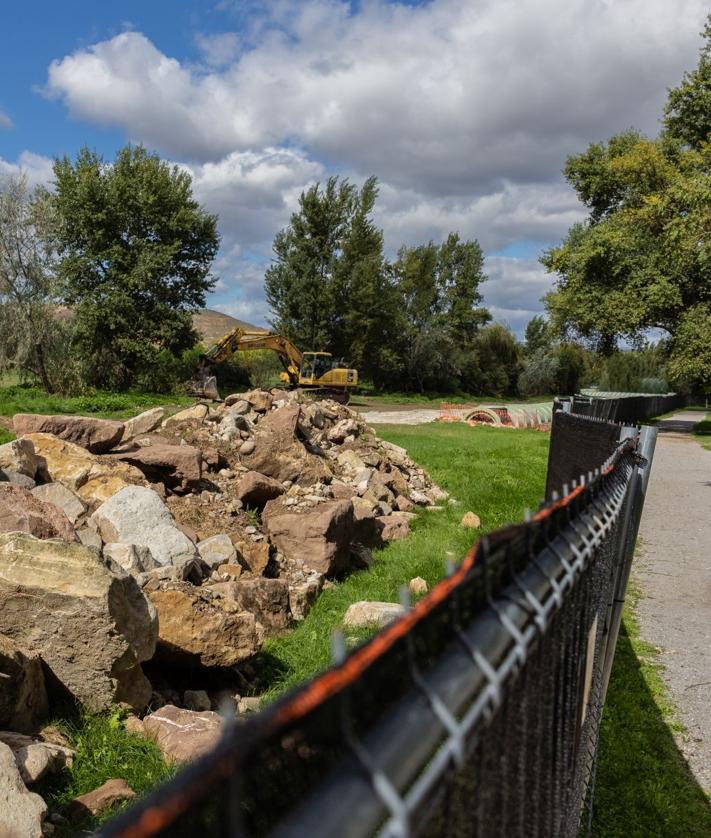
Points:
[(181, 540)]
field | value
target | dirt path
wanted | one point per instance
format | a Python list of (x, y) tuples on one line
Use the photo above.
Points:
[(674, 573), (414, 416)]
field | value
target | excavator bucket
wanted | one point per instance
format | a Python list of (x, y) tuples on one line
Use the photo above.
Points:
[(204, 388)]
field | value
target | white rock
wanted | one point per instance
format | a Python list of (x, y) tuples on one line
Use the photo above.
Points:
[(21, 812), (216, 551), (133, 558), (19, 455), (136, 515), (366, 614), (197, 412)]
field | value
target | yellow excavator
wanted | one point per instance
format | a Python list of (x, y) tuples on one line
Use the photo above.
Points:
[(313, 371)]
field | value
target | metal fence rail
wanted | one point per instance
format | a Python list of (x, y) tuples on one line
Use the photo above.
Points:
[(476, 714)]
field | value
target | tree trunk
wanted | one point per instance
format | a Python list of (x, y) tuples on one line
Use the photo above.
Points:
[(42, 369)]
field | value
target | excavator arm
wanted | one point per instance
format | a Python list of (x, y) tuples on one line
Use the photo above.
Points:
[(240, 340)]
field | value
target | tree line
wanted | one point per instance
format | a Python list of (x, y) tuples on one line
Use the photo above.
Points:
[(99, 276)]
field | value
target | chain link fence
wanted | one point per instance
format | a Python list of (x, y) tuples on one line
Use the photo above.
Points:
[(476, 714)]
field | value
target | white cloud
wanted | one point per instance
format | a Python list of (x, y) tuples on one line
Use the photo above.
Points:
[(448, 97), (465, 112), (36, 167), (5, 122)]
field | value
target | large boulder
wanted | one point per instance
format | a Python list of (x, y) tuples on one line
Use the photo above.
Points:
[(19, 456), (198, 628), (178, 466), (279, 454), (35, 757), (91, 627), (267, 599), (318, 537), (21, 511), (196, 413), (181, 735), (137, 515), (255, 489), (144, 423), (23, 697), (58, 494), (96, 435), (93, 478), (22, 812)]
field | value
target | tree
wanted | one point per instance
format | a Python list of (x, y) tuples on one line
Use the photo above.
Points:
[(498, 356), (643, 258), (301, 284), (32, 338), (537, 335), (439, 288), (135, 251)]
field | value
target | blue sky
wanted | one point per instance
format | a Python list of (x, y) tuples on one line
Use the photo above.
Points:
[(464, 111)]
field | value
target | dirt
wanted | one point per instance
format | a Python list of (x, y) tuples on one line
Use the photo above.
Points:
[(674, 574), (398, 415)]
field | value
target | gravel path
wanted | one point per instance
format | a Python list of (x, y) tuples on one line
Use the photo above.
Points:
[(416, 416), (674, 573)]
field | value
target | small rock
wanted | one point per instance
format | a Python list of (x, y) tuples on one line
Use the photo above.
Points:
[(34, 757), (144, 423), (217, 550), (182, 735), (19, 456), (418, 586), (471, 520), (419, 498), (394, 527), (195, 413), (133, 558), (21, 812), (368, 614), (89, 537), (99, 800), (247, 447), (249, 704)]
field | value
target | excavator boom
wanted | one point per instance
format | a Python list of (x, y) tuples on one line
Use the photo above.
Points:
[(311, 370)]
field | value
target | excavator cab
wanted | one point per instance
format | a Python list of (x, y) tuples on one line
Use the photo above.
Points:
[(314, 366)]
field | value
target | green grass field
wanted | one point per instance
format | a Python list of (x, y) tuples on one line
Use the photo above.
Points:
[(482, 468), (702, 432)]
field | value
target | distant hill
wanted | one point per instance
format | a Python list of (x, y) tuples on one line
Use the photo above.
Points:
[(211, 325)]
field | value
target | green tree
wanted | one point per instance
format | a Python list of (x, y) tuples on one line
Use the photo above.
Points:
[(537, 335), (135, 251), (301, 283), (643, 258), (441, 304), (33, 337)]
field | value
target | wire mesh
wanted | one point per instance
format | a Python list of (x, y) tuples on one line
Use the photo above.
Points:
[(477, 714)]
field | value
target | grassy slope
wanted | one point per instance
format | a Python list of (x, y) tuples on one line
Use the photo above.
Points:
[(495, 473), (644, 788)]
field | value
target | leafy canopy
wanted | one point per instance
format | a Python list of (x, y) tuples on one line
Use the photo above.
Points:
[(642, 259), (135, 250)]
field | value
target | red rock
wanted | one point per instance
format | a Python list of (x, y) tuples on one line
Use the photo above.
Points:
[(318, 537), (267, 599), (255, 489), (96, 435), (182, 735), (21, 511), (99, 800), (394, 527), (180, 466)]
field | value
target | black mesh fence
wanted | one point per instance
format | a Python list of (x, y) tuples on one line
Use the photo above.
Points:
[(476, 714), (630, 408)]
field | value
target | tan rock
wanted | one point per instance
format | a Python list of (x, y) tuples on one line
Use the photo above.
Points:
[(302, 596), (93, 478), (95, 435), (56, 493), (217, 550), (35, 757), (372, 614), (144, 423), (196, 627), (196, 413), (21, 511), (318, 537), (471, 520), (23, 698), (19, 455), (91, 627), (418, 586), (99, 800), (182, 735), (254, 554)]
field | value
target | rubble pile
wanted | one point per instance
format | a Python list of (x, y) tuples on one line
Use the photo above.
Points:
[(166, 545)]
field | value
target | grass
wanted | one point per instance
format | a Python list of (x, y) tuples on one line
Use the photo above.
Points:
[(702, 432), (644, 788), (368, 398), (105, 751), (19, 398), (5, 436), (495, 473)]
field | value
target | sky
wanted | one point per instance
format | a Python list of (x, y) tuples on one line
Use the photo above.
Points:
[(465, 110)]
